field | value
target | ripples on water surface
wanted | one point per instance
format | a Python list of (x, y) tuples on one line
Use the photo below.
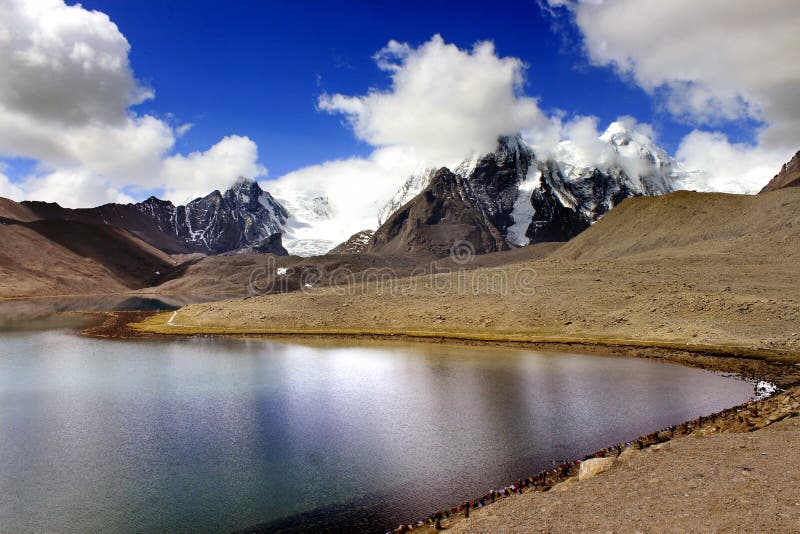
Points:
[(219, 435)]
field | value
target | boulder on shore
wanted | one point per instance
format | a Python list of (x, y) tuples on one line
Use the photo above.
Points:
[(595, 466)]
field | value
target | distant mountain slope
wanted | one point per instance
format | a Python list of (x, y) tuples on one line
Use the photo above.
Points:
[(308, 227), (436, 219), (689, 223), (789, 176), (243, 216), (56, 257), (14, 210)]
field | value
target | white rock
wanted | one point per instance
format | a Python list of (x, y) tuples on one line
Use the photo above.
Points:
[(592, 467)]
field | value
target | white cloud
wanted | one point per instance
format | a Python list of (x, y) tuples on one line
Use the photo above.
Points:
[(65, 101), (64, 64), (582, 143), (9, 190), (129, 152), (181, 130), (444, 103), (737, 167), (73, 188), (199, 173), (710, 62), (356, 189)]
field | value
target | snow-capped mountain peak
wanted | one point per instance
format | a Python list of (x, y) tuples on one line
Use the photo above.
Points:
[(530, 199), (633, 144), (615, 128)]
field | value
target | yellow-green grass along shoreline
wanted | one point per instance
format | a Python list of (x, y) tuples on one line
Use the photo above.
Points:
[(164, 324)]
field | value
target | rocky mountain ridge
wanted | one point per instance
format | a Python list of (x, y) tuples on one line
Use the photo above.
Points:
[(530, 200), (244, 216), (526, 197)]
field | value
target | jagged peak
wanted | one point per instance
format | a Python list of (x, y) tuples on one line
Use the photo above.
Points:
[(244, 183), (152, 199), (620, 135), (442, 172), (512, 142), (615, 128)]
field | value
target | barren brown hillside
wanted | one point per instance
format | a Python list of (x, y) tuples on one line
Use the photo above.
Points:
[(42, 257), (686, 223), (15, 210)]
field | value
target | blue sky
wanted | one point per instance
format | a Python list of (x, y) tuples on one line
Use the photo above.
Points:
[(97, 98), (257, 68)]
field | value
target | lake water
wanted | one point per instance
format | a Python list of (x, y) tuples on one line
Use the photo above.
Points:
[(222, 435)]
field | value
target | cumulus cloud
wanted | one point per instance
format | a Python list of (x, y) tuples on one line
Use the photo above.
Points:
[(736, 167), (52, 57), (708, 63), (198, 173), (580, 142), (443, 102), (66, 97), (77, 186)]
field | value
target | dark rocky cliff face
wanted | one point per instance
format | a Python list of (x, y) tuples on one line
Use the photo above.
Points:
[(552, 220), (492, 185), (243, 216), (442, 216), (271, 245)]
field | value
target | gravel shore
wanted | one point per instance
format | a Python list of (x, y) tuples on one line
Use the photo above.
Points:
[(743, 481)]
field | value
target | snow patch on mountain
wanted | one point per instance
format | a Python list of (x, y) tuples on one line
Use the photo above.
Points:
[(648, 169), (306, 230), (523, 211), (412, 187)]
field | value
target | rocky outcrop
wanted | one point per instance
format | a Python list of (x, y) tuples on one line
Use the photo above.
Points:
[(552, 219), (356, 244), (271, 245), (441, 216), (789, 176), (595, 466)]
